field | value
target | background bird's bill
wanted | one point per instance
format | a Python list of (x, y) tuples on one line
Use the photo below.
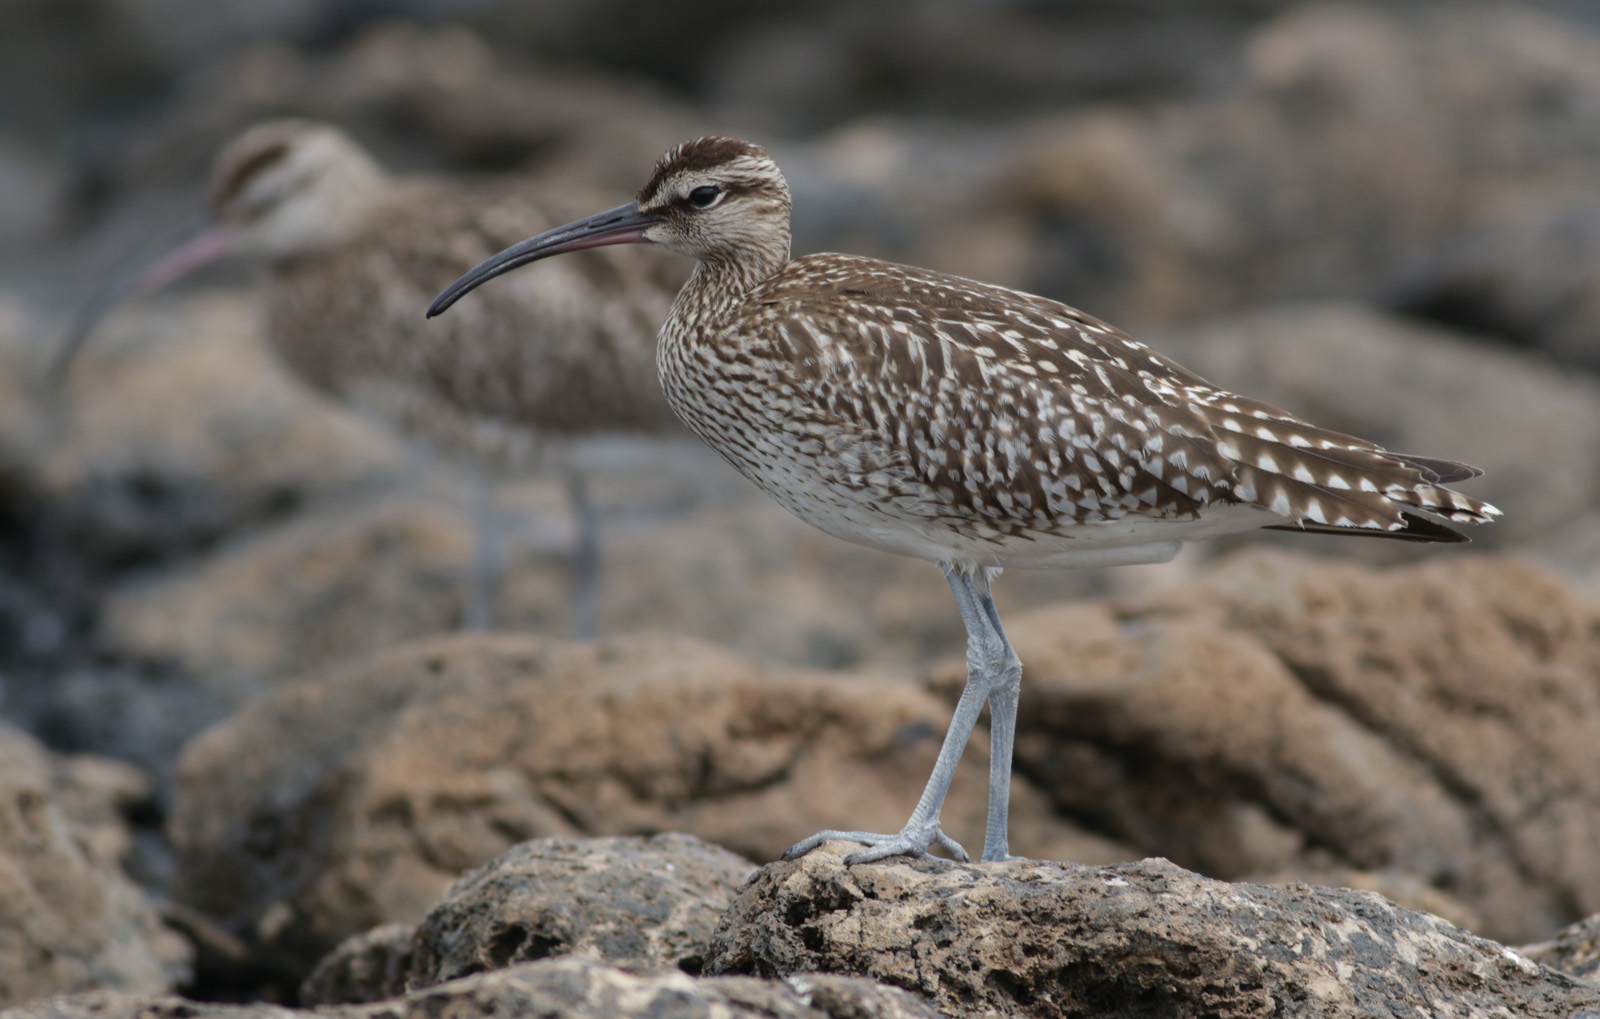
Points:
[(623, 225), (199, 244)]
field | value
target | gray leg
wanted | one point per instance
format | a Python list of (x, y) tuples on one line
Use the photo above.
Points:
[(994, 675), (1006, 668), (488, 564), (585, 567)]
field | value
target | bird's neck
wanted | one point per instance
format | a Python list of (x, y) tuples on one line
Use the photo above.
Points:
[(721, 281)]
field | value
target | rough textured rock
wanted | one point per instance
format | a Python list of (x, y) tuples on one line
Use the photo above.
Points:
[(1574, 951), (1026, 938), (69, 918), (1284, 715), (636, 903), (355, 798), (575, 986), (642, 904)]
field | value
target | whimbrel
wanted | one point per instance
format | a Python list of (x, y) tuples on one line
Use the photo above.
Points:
[(967, 424), (352, 252)]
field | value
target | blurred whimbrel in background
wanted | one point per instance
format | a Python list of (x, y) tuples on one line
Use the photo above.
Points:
[(352, 252), (967, 424)]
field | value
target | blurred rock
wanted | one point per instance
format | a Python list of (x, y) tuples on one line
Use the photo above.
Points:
[(1026, 938), (1283, 715), (176, 433), (1575, 950), (70, 919), (1353, 138), (354, 798), (370, 966), (635, 903), (1532, 279), (1421, 390), (573, 986)]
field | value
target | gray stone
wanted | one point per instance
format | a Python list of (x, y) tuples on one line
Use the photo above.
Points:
[(642, 904), (636, 903), (573, 987), (1531, 278)]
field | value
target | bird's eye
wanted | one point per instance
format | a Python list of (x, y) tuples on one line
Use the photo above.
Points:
[(704, 196)]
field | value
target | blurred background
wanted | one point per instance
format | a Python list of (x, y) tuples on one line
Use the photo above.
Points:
[(1383, 216)]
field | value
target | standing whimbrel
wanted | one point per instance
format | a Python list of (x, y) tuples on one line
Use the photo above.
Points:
[(352, 252), (967, 424)]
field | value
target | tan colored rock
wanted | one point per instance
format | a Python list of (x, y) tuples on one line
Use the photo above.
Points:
[(1291, 716), (1027, 938), (354, 798), (70, 919)]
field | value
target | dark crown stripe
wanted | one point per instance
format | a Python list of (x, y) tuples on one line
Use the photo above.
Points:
[(699, 154)]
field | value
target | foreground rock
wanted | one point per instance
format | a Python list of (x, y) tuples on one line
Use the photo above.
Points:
[(643, 904), (1281, 715), (1027, 938), (575, 987), (355, 798), (70, 919)]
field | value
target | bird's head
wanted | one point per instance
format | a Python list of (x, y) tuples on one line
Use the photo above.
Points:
[(291, 187), (717, 198), (280, 189), (721, 200)]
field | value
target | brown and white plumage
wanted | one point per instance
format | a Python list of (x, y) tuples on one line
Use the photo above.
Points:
[(968, 424), (351, 252)]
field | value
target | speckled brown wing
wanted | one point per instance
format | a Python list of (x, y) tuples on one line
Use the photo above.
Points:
[(1032, 416)]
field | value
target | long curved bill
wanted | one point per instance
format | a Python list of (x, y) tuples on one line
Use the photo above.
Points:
[(623, 225), (203, 242)]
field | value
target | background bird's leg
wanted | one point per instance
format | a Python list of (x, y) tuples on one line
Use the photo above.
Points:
[(584, 576), (1003, 670), (488, 561)]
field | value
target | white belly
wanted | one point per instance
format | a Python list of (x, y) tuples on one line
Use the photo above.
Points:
[(855, 516)]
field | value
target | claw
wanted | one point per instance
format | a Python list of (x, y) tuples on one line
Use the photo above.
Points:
[(879, 846)]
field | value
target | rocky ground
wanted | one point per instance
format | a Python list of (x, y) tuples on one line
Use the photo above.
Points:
[(247, 754)]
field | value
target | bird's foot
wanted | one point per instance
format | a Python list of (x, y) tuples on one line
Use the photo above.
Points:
[(912, 840)]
